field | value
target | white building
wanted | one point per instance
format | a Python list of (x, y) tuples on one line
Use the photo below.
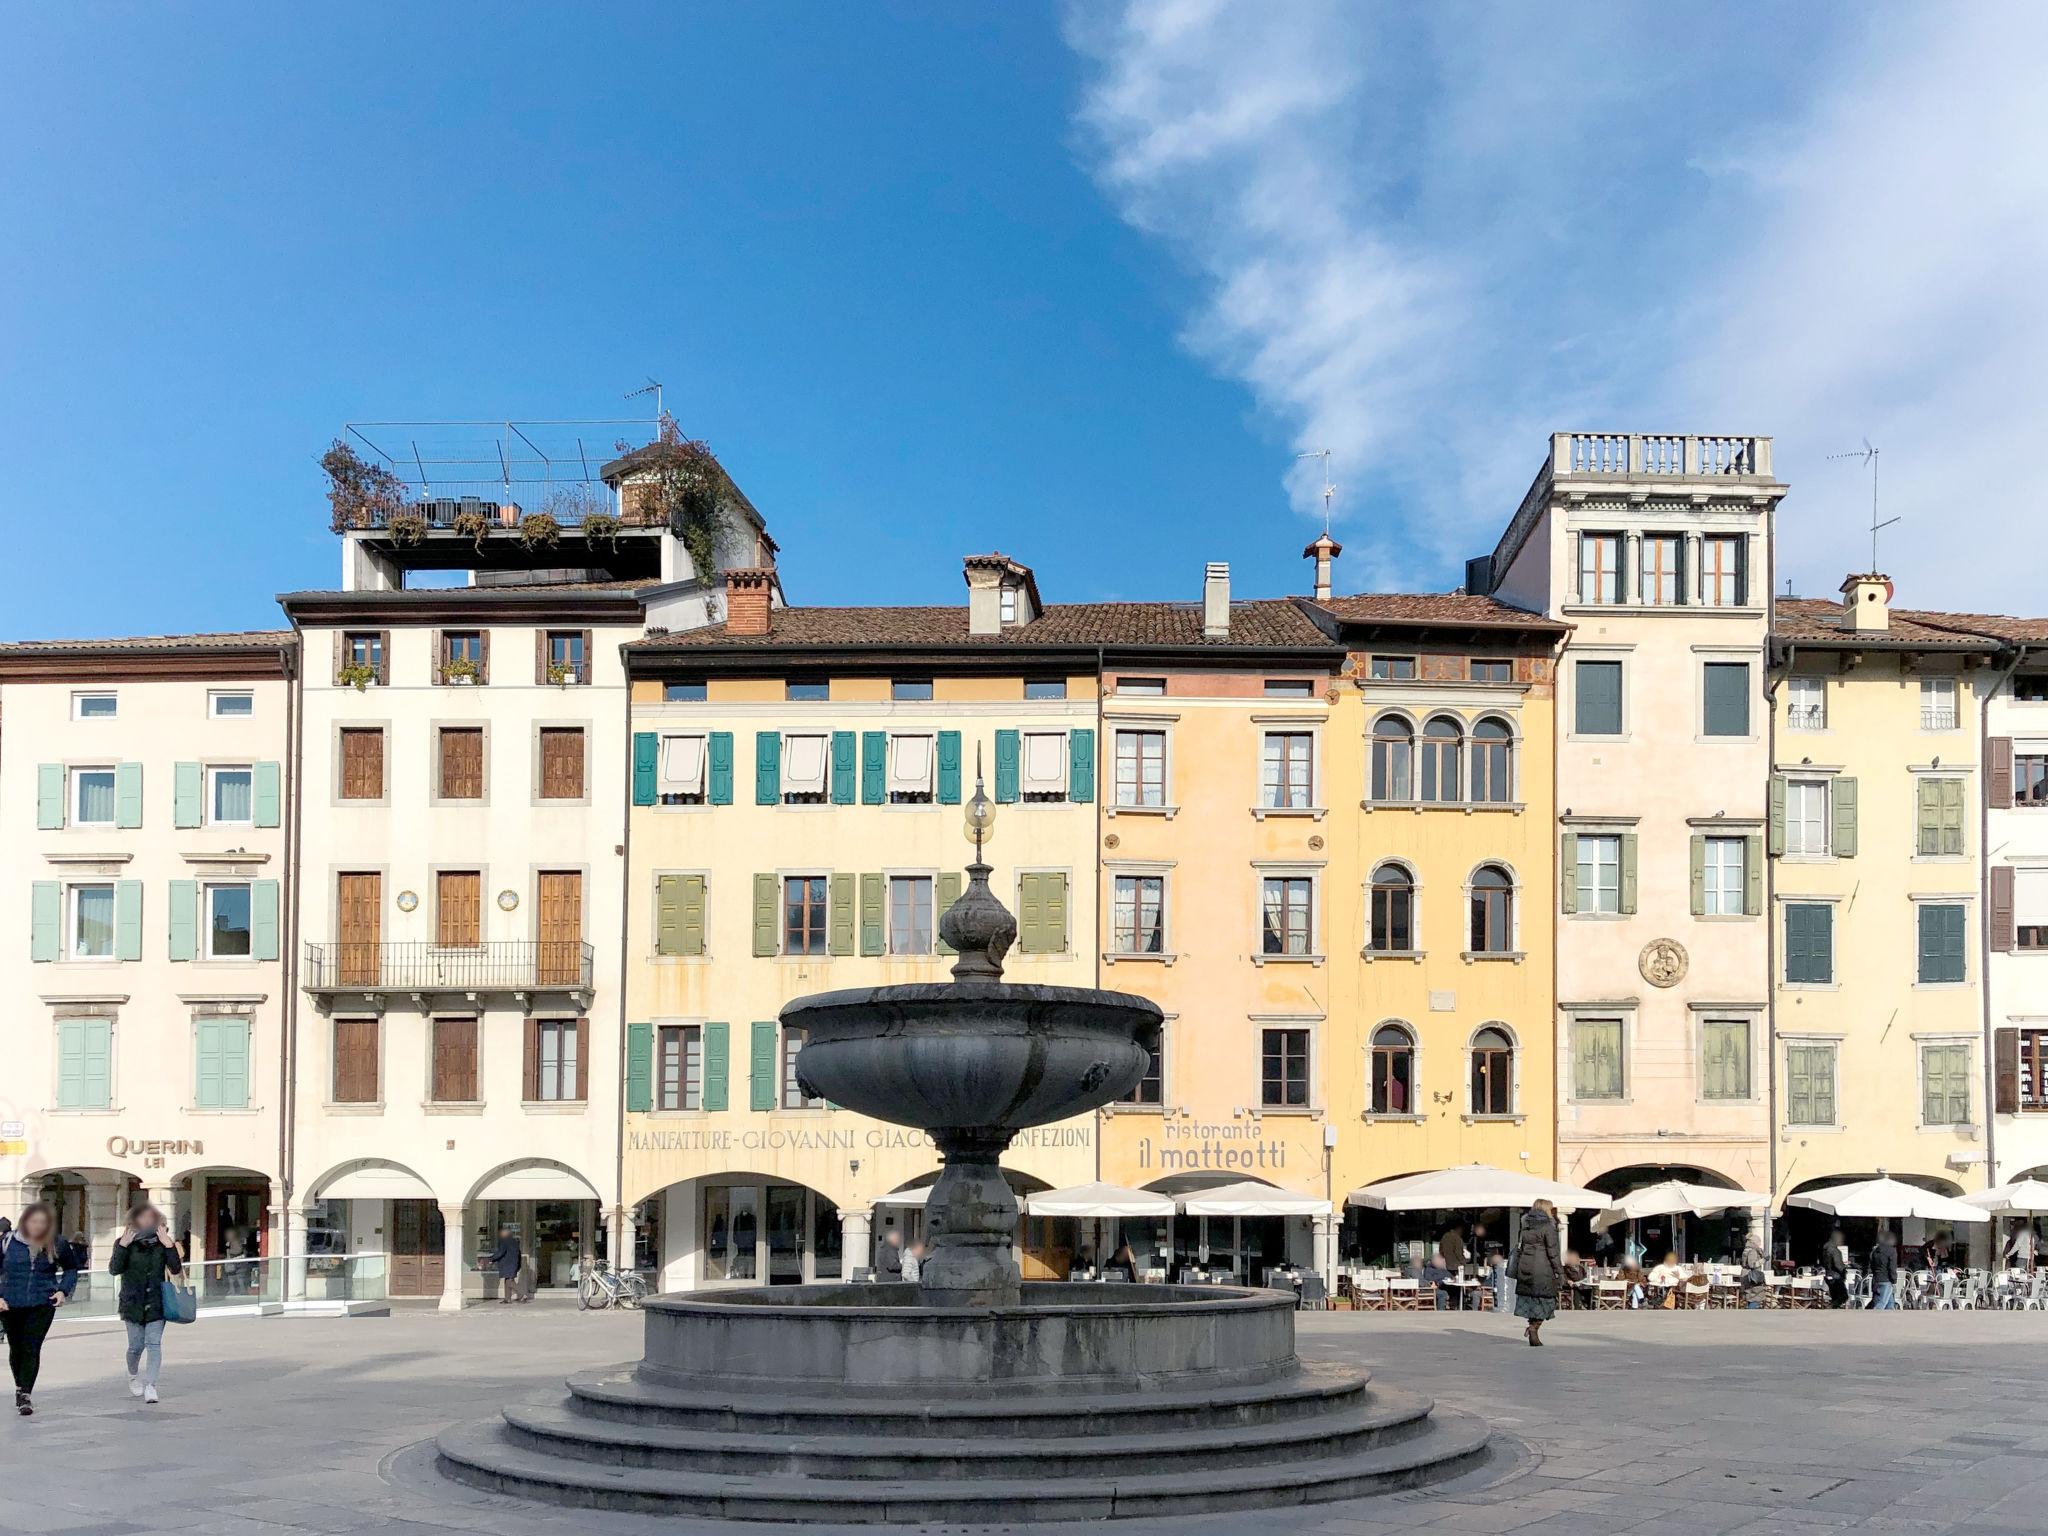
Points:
[(2016, 845)]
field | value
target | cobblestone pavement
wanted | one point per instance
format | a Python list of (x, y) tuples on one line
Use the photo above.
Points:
[(1672, 1424)]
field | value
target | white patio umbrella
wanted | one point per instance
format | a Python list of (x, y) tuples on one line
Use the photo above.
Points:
[(1674, 1197), (1884, 1198), (1249, 1199), (1099, 1200), (2022, 1197), (1472, 1187)]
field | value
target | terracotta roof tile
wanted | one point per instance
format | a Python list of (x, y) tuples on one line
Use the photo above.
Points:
[(232, 640), (1823, 619), (1434, 608), (1274, 622)]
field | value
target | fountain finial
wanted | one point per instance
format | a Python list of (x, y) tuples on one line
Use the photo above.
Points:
[(978, 926)]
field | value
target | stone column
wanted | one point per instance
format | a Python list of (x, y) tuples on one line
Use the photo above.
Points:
[(856, 1241), (292, 1223), (1628, 579), (451, 1257), (1326, 1250), (623, 1238)]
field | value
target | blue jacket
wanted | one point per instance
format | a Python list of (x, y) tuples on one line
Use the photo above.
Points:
[(29, 1278)]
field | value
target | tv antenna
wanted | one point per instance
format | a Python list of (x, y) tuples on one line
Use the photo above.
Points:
[(1329, 490), (651, 387), (1869, 457)]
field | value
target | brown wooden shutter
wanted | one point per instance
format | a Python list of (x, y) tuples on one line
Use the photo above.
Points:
[(561, 763), (483, 663), (459, 908), (589, 667), (582, 1059), (2006, 1062), (1999, 766), (462, 762), (383, 657), (355, 1061), (362, 763), (440, 657), (531, 1076), (359, 901), (2001, 908), (540, 656), (455, 1061)]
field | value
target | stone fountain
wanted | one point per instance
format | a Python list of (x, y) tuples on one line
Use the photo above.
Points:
[(969, 1395)]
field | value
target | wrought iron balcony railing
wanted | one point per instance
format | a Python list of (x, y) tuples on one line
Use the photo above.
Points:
[(499, 966)]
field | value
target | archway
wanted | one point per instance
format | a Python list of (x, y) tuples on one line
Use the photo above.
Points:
[(1802, 1232), (738, 1228), (1713, 1237), (556, 1214), (1231, 1249), (372, 1205)]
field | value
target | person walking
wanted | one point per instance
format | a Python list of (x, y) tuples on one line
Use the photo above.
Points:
[(1884, 1274), (507, 1260), (2020, 1247), (34, 1283), (1538, 1269), (889, 1257), (1756, 1278), (1834, 1265), (913, 1261), (143, 1256)]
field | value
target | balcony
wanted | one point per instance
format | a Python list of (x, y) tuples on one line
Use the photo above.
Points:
[(1659, 456), (502, 966)]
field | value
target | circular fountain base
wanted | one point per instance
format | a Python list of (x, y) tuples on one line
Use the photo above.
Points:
[(858, 1404)]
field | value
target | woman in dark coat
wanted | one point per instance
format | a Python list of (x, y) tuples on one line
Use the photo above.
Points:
[(1538, 1269), (143, 1255), (35, 1280)]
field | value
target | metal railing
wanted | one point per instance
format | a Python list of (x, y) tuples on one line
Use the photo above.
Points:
[(1806, 717), (448, 507), (1937, 717), (223, 1283), (1662, 454), (498, 966)]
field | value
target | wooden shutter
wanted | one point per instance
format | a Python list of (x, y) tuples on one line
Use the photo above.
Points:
[(355, 1061), (263, 931), (96, 1063), (693, 915), (646, 757), (583, 1048), (458, 908), (359, 905), (2005, 1046), (839, 911), (188, 791), (1753, 876), (128, 920), (362, 763), (763, 1080), (1009, 772), (267, 794), (843, 767), (1777, 815), (721, 768), (874, 767), (561, 763), (128, 794), (2002, 935), (639, 1068), (945, 891), (765, 914), (949, 767), (1998, 771), (1568, 873), (716, 1065), (46, 920), (184, 919), (1699, 874), (1628, 873), (668, 915), (561, 927), (1081, 765), (49, 797), (530, 1062), (873, 898), (455, 1061), (1842, 798), (1799, 1085), (767, 768), (206, 1064), (462, 762)]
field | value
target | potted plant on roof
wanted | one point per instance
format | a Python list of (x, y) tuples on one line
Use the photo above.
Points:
[(474, 526), (686, 491), (357, 675), (408, 529), (539, 530), (359, 493)]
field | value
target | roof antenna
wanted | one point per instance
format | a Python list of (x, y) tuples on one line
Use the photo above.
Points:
[(1329, 490), (1869, 456), (652, 387)]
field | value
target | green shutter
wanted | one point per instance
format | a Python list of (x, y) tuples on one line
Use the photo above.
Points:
[(1777, 821), (1042, 913), (839, 912), (693, 915), (1568, 873), (764, 915), (761, 1073), (1699, 874), (1941, 817), (267, 795), (668, 914), (263, 919), (1081, 766), (1842, 818), (85, 1063), (128, 920), (721, 767), (1628, 872), (1008, 769), (639, 1068), (843, 766), (646, 762), (945, 891), (874, 767), (1823, 1085), (716, 1065), (1799, 1085), (1753, 875), (184, 909), (1809, 943), (49, 797), (873, 894), (1056, 914), (1941, 943), (767, 767), (46, 908), (188, 792), (234, 1064), (949, 767), (128, 794), (206, 1065)]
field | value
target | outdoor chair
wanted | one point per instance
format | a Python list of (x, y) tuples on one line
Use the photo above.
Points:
[(1610, 1296), (1406, 1295), (1315, 1295), (1369, 1293)]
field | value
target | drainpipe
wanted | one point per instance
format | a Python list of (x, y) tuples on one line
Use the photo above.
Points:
[(288, 1020), (622, 1257), (1103, 785), (2019, 655), (1771, 941)]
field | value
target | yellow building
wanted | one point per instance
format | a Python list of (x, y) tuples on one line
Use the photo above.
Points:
[(1875, 842)]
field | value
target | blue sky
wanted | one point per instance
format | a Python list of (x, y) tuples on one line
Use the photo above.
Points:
[(1075, 283)]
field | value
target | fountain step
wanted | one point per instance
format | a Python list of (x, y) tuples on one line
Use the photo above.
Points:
[(483, 1454), (925, 1452), (624, 1396)]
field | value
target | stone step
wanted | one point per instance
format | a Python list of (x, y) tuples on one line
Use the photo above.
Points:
[(482, 1455), (919, 1452), (622, 1395)]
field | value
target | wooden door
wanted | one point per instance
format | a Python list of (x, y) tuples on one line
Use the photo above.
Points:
[(458, 908), (418, 1260), (560, 960), (359, 903), (1047, 1252)]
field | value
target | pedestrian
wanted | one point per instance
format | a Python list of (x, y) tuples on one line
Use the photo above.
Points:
[(913, 1261), (2020, 1247), (1756, 1277), (1884, 1274), (1834, 1264), (143, 1256), (34, 1283), (889, 1257), (507, 1260), (1538, 1268)]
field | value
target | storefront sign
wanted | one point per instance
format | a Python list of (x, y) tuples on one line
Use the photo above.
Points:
[(13, 1138), (1195, 1148), (872, 1138), (153, 1153)]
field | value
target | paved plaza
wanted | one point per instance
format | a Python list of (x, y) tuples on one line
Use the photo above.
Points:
[(1681, 1425)]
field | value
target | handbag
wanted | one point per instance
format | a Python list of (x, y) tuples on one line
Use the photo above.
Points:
[(181, 1303)]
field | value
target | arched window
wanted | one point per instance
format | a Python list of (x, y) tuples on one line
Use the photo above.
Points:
[(1493, 1072), (1442, 741), (1393, 911), (1393, 760), (1393, 1070), (1493, 911), (1492, 763)]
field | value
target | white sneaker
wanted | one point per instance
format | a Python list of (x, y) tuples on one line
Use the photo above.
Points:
[(135, 1386), (149, 1394)]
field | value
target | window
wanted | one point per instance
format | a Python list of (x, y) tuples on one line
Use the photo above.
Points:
[(1044, 762), (1724, 876), (1810, 1083), (558, 1044), (1393, 760), (2029, 908), (1724, 1059), (230, 797), (793, 1095), (462, 656), (910, 770), (1283, 1068), (1142, 687), (1662, 577), (1806, 817), (1806, 703), (364, 648), (2030, 779), (807, 693), (804, 915), (1599, 567), (1492, 763), (1726, 696), (1393, 911), (1938, 704), (94, 706), (362, 763), (1945, 1083), (1393, 1070), (1492, 928), (1809, 944), (1596, 1059), (1290, 688), (230, 705), (458, 908), (91, 925), (1493, 1073), (681, 1070), (910, 914), (1942, 941), (2031, 689), (454, 1065), (1006, 604), (1599, 865), (1489, 670), (1285, 776), (1150, 1088), (2033, 1068), (1139, 925), (85, 1063), (1288, 915), (566, 660), (92, 797), (1597, 698), (693, 692), (1392, 669), (1721, 570), (355, 1061), (911, 690), (561, 762), (1442, 742), (1141, 768), (462, 762), (682, 770), (803, 770), (1940, 804), (1046, 688), (227, 922)]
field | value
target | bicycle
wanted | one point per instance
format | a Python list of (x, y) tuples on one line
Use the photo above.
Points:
[(600, 1285)]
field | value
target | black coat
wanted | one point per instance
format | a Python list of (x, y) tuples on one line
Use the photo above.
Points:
[(1538, 1268), (142, 1267), (506, 1258), (1884, 1265), (889, 1261)]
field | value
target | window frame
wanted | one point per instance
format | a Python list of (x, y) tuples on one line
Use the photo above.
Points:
[(1289, 877), (789, 1043), (75, 777), (1118, 733), (1591, 839), (1786, 978), (208, 889), (1935, 716), (1289, 737), (1484, 1063), (82, 698), (1606, 573), (1391, 667), (1139, 880), (822, 907), (909, 880), (1648, 582), (567, 1064), (1711, 666), (672, 798), (688, 690), (1708, 1021), (1710, 842), (1959, 905), (1045, 689), (1155, 1074), (1624, 1078), (1402, 889), (687, 1088), (70, 951), (1480, 749), (1268, 1029), (1386, 752), (1503, 896), (1440, 758), (1811, 716), (209, 781), (1382, 1059), (1578, 730), (1803, 785), (1736, 577), (1830, 1050), (215, 697), (1967, 1077)]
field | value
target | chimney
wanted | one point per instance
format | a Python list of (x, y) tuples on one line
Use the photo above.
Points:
[(1866, 603), (1324, 552), (1216, 601), (749, 597)]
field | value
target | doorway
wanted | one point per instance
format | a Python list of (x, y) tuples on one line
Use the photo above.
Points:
[(418, 1252), (765, 1233), (359, 905), (560, 918)]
